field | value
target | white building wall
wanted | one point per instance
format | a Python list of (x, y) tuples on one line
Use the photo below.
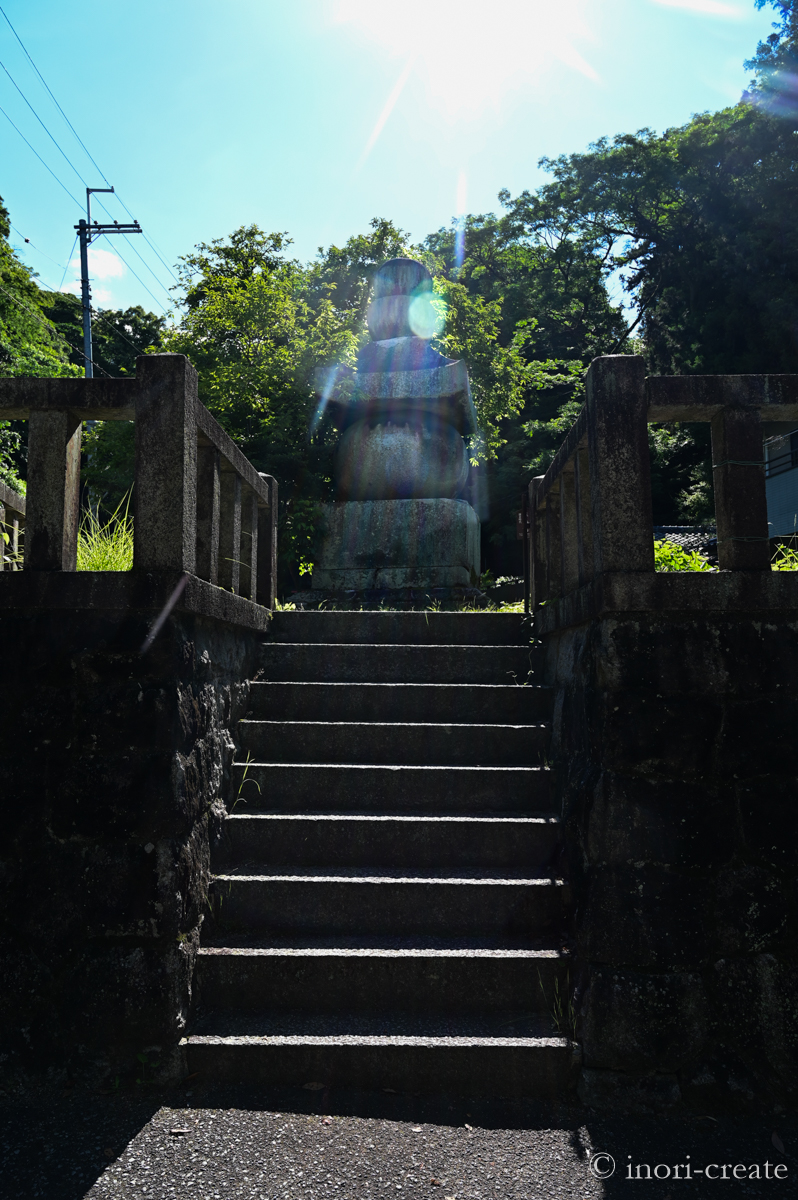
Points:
[(782, 487)]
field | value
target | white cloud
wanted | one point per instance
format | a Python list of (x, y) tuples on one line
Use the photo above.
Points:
[(102, 265), (709, 8)]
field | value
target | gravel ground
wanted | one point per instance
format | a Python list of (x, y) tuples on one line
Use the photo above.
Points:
[(298, 1144)]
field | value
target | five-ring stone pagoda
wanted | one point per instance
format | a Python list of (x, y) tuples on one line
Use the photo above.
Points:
[(396, 524)]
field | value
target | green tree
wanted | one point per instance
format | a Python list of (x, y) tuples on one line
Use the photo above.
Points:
[(118, 337), (537, 288), (775, 63), (258, 325), (256, 341), (699, 222), (30, 344)]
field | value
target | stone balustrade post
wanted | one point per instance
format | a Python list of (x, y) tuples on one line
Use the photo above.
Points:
[(569, 531), (52, 510), (230, 531), (165, 527), (249, 544), (266, 566), (208, 510), (738, 471), (620, 471), (584, 524), (537, 560)]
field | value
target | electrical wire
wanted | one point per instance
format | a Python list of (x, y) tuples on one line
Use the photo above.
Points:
[(74, 168), (69, 260), (151, 245), (146, 264), (141, 281), (52, 97), (41, 160), (36, 248), (154, 250), (100, 316), (44, 127), (48, 327)]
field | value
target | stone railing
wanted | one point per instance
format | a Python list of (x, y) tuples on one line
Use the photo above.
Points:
[(200, 507), (587, 523), (12, 524)]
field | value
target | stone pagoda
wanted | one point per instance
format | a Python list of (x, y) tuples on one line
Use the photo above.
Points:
[(401, 460)]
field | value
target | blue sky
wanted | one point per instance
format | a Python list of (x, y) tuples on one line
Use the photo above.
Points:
[(313, 116)]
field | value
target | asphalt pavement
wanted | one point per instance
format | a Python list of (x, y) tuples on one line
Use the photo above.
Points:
[(304, 1143)]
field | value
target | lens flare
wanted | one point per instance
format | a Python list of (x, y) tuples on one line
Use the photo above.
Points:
[(468, 57), (426, 315), (780, 96), (460, 212)]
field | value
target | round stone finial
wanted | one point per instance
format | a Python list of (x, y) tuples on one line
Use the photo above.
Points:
[(400, 277), (401, 286)]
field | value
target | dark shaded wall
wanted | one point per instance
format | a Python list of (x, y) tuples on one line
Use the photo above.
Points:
[(676, 737), (113, 767)]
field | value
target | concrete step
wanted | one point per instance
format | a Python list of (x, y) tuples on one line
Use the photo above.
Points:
[(386, 742), (384, 841), (543, 1067), (480, 703), (385, 903), (335, 662), (354, 788), (418, 980), (450, 628)]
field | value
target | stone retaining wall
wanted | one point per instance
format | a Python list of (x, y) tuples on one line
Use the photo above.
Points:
[(676, 739), (112, 766)]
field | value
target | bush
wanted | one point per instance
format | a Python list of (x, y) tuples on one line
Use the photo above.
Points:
[(670, 557)]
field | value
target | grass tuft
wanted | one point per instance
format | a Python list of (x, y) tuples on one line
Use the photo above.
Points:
[(106, 546)]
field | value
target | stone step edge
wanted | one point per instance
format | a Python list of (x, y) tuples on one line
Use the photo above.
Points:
[(349, 1039), (292, 766), (519, 646), (375, 952), (375, 818), (324, 683), (394, 724), (444, 881)]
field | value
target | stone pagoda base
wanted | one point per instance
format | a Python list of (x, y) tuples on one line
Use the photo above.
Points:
[(390, 545)]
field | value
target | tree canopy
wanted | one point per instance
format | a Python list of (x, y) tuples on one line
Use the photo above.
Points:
[(695, 225)]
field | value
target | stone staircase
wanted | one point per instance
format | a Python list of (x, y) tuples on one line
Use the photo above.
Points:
[(386, 910)]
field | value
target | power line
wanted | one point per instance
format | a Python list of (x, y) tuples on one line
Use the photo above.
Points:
[(147, 265), (36, 152), (48, 326), (69, 259), (34, 247), (74, 168), (147, 240), (52, 97), (41, 122), (141, 281), (154, 250), (99, 316)]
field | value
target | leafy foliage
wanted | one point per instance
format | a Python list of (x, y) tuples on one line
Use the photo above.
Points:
[(118, 337), (30, 344), (670, 557), (785, 559)]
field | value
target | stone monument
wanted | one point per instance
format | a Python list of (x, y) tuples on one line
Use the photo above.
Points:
[(401, 461)]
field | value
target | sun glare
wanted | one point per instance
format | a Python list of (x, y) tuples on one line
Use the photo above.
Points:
[(471, 54)]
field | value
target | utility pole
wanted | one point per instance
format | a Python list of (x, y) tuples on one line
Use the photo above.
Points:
[(87, 233)]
